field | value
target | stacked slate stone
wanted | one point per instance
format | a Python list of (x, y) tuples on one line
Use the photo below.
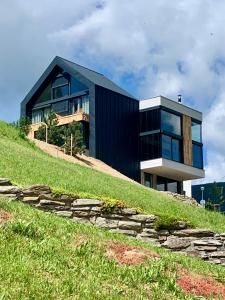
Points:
[(201, 243)]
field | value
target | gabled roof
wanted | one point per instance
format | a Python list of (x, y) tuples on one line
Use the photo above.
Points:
[(73, 69), (96, 78)]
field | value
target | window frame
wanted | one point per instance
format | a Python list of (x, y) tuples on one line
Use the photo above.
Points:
[(172, 138), (194, 143), (173, 113), (199, 123)]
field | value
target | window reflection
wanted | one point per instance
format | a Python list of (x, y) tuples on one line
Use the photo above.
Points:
[(197, 156), (196, 132), (170, 122), (171, 148)]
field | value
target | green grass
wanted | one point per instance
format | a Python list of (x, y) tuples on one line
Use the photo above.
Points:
[(42, 259), (25, 164)]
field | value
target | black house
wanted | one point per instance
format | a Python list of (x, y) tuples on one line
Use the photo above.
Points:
[(108, 113)]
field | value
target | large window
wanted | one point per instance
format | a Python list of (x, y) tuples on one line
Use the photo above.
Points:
[(197, 156), (45, 95), (79, 103), (60, 86), (77, 86), (60, 107), (196, 132), (60, 91), (170, 123), (166, 184), (37, 116), (148, 180), (171, 148)]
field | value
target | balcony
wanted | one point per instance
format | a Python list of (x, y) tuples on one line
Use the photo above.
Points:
[(62, 120), (171, 169)]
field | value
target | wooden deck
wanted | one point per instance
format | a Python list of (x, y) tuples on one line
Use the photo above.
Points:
[(62, 120)]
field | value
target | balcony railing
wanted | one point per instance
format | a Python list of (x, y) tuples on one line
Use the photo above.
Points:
[(62, 120)]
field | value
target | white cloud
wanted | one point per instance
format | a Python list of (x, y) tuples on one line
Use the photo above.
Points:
[(166, 47)]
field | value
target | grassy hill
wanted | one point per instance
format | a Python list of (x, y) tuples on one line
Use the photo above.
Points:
[(25, 164), (46, 257)]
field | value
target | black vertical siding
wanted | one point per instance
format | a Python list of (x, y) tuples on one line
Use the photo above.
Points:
[(116, 131)]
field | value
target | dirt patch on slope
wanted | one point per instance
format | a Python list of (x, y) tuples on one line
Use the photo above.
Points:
[(129, 255), (4, 216), (83, 160), (200, 285)]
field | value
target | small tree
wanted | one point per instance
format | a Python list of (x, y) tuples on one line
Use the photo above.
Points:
[(218, 198), (55, 133), (74, 138), (24, 126)]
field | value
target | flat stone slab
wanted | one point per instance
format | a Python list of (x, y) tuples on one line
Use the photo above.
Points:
[(194, 233), (87, 202), (129, 225), (106, 223), (128, 211), (65, 214), (208, 242), (84, 214), (81, 208), (30, 199), (5, 182), (206, 248), (9, 189), (152, 234), (143, 218), (175, 243), (38, 189), (218, 254), (51, 202), (126, 232)]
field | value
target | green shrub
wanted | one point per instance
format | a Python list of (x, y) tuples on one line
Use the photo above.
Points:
[(25, 229), (168, 222)]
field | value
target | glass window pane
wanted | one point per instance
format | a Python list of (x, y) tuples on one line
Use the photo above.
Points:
[(37, 116), (197, 156), (170, 122), (60, 107), (59, 81), (161, 184), (166, 147), (172, 187), (45, 95), (77, 86), (148, 180), (85, 104), (46, 112), (176, 150), (60, 91), (196, 132)]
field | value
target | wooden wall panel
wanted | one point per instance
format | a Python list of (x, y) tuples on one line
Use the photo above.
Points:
[(187, 140)]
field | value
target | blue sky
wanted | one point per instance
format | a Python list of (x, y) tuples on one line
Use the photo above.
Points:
[(148, 47)]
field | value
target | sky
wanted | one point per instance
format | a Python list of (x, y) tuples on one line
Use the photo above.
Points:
[(148, 47)]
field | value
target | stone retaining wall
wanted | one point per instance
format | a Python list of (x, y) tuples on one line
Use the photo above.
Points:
[(201, 243)]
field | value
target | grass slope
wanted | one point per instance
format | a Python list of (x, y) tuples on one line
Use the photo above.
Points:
[(25, 164), (46, 257)]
